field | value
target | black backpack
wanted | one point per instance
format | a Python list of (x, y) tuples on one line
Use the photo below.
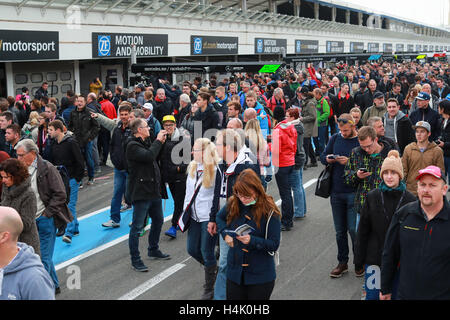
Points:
[(65, 178)]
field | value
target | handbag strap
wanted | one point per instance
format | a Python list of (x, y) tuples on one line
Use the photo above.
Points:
[(267, 230)]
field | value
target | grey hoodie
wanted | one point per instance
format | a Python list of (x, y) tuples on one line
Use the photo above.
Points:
[(390, 125), (25, 277)]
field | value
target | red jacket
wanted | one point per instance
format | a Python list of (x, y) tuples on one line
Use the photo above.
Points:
[(108, 109), (272, 103), (284, 144)]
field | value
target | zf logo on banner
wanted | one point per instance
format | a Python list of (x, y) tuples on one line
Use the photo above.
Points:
[(259, 46), (104, 46), (298, 46), (198, 46)]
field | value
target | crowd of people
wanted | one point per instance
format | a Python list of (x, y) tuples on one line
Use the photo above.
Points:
[(381, 128)]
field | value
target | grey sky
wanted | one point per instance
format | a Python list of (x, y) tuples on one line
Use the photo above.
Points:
[(431, 12)]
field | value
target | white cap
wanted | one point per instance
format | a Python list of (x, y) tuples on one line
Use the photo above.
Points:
[(148, 106)]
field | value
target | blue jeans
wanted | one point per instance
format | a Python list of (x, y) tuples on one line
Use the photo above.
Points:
[(86, 150), (344, 217), (72, 227), (120, 182), (47, 237), (285, 190), (200, 244), (142, 208), (320, 140), (296, 181), (220, 287)]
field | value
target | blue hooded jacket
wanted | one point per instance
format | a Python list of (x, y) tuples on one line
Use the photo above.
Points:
[(25, 277), (262, 118)]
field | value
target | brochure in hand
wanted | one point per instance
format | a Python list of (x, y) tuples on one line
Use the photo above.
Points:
[(243, 230)]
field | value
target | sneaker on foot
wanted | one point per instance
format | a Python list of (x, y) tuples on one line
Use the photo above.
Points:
[(339, 270), (139, 266), (172, 232), (158, 255), (125, 207), (90, 182), (67, 239), (111, 224)]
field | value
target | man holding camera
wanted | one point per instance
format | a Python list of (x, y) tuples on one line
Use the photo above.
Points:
[(420, 154)]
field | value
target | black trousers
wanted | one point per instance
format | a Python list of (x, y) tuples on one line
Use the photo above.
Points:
[(178, 191), (261, 291), (309, 151)]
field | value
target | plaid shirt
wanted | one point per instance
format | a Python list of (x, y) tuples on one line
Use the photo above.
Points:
[(360, 159)]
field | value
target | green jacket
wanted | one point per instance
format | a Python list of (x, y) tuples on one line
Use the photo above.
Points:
[(323, 112)]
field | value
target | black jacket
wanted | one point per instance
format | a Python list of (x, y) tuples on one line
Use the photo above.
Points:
[(300, 156), (423, 251), (144, 176), (118, 144), (430, 116), (173, 166), (226, 177), (374, 223), (68, 154), (341, 105), (83, 126), (445, 137), (209, 118), (162, 108), (367, 100), (444, 93), (182, 114)]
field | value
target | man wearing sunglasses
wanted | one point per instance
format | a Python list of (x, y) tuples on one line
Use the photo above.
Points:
[(342, 198)]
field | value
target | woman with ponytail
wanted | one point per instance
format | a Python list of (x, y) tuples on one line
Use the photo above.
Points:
[(200, 184), (376, 216)]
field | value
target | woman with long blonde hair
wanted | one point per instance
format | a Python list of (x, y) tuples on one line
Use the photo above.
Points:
[(259, 147), (200, 184)]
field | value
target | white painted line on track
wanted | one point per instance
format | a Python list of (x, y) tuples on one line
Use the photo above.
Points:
[(133, 294), (305, 186), (101, 248), (125, 237)]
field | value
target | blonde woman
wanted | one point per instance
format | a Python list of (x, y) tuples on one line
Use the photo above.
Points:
[(31, 128), (259, 147), (202, 173)]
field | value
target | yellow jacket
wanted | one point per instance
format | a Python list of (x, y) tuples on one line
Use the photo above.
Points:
[(95, 87)]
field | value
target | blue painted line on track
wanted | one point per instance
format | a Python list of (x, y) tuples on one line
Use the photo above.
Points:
[(93, 235)]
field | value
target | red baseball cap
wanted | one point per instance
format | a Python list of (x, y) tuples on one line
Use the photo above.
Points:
[(432, 170)]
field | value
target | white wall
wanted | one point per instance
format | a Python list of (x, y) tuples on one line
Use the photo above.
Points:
[(75, 44)]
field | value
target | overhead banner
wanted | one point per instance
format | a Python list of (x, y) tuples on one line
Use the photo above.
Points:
[(306, 46), (373, 47), (28, 45), (208, 45), (270, 46), (356, 47), (335, 46), (387, 47), (119, 45), (399, 47)]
